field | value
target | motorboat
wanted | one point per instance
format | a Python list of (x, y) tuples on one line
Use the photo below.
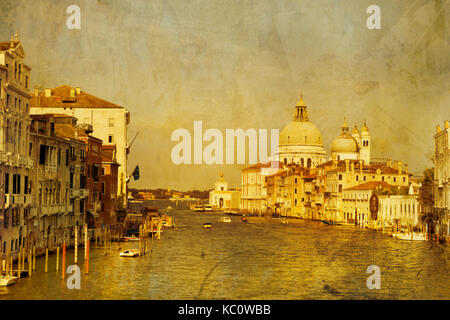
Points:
[(244, 219), (415, 236), (284, 221), (7, 281), (207, 225), (225, 219), (208, 208), (328, 222), (132, 238), (198, 208), (130, 253)]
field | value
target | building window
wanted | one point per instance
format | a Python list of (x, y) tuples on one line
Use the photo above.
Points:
[(364, 178), (111, 139), (395, 179), (382, 178), (357, 178), (111, 122), (340, 177)]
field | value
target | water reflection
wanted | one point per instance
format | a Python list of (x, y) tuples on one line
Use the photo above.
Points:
[(253, 261)]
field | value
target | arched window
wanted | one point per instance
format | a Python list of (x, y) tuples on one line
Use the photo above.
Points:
[(340, 188), (308, 163), (302, 161), (340, 176)]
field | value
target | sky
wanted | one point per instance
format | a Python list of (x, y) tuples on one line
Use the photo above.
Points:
[(242, 64)]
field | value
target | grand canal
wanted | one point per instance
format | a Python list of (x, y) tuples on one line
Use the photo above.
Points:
[(235, 260)]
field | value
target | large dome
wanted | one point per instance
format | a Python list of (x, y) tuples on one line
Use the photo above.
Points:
[(300, 133), (344, 143)]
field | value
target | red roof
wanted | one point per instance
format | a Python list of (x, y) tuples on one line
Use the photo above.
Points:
[(370, 185), (60, 98)]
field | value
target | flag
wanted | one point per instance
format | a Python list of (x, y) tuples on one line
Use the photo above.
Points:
[(135, 173)]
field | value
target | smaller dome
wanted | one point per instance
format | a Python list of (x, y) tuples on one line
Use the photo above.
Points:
[(344, 144)]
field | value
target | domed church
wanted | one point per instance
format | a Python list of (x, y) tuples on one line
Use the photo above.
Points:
[(353, 147), (300, 141)]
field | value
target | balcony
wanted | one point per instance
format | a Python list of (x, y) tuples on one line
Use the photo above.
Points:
[(3, 157), (7, 201), (84, 193), (50, 171), (55, 209), (74, 193)]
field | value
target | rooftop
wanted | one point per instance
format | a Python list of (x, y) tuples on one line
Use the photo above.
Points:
[(67, 97)]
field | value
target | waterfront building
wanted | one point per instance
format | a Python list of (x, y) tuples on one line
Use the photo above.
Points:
[(341, 175), (254, 190), (286, 193), (146, 195), (15, 161), (300, 141), (56, 184), (441, 188), (110, 169), (396, 205), (223, 198), (108, 120)]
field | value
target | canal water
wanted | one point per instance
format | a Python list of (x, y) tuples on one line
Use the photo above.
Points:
[(236, 260)]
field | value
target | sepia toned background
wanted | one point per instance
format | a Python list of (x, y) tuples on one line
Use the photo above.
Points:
[(243, 64)]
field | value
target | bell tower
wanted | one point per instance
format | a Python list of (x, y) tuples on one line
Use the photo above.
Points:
[(364, 151)]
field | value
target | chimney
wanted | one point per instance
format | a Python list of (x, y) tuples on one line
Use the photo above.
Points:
[(399, 167), (346, 164), (446, 124), (72, 93), (78, 90), (48, 93), (438, 128), (36, 91)]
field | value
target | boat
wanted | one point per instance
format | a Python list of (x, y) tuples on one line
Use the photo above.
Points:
[(169, 208), (207, 225), (198, 208), (284, 221), (328, 222), (225, 219), (130, 253), (244, 219), (208, 208), (7, 281), (415, 236), (132, 238)]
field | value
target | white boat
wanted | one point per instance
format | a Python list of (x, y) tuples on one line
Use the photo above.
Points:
[(169, 208), (208, 208), (7, 281), (130, 253), (198, 208), (415, 236), (225, 219)]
